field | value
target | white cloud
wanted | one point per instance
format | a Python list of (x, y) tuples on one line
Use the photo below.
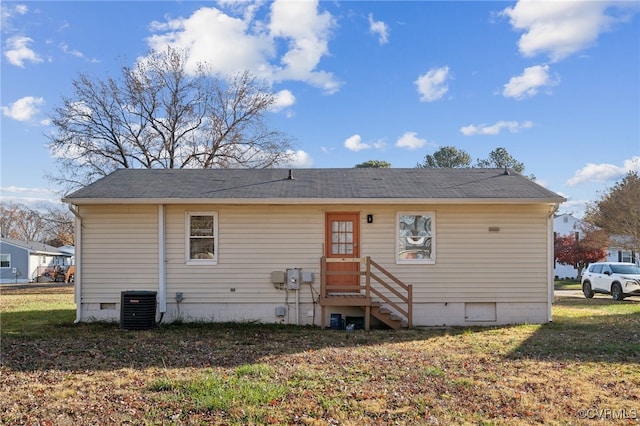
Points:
[(18, 52), (544, 183), (213, 37), (354, 143), (7, 13), (235, 42), (300, 159), (23, 109), (308, 33), (529, 83), (65, 48), (604, 172), (242, 7), (379, 28), (379, 144), (595, 173), (483, 129), (432, 85), (326, 150), (574, 207), (64, 26), (284, 99), (410, 140), (562, 28), (24, 190), (31, 197), (22, 9)]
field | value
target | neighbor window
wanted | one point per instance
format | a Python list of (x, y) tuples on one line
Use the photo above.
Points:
[(201, 241), (626, 256), (5, 261), (415, 241)]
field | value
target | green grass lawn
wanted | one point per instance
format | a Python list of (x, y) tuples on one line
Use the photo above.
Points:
[(567, 285), (36, 314), (57, 372)]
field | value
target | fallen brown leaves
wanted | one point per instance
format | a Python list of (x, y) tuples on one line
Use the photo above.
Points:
[(98, 374)]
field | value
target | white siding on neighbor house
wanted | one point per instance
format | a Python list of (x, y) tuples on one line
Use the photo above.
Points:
[(508, 267), (566, 224)]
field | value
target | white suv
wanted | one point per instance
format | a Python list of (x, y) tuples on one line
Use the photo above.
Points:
[(616, 278)]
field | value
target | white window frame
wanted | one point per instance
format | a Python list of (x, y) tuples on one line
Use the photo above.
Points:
[(187, 239), (8, 257), (432, 235), (626, 256)]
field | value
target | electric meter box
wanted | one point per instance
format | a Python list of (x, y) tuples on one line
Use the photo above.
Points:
[(293, 279)]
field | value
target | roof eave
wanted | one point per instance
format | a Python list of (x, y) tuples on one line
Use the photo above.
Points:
[(35, 251), (310, 201)]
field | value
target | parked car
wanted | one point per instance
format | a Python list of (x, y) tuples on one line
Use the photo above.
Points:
[(619, 279)]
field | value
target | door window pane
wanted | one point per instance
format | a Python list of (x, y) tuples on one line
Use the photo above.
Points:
[(341, 237)]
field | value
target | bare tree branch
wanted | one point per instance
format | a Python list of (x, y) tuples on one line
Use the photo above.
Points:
[(618, 213), (160, 116), (53, 226)]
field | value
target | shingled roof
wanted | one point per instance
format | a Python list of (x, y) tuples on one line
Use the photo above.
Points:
[(35, 247), (312, 185)]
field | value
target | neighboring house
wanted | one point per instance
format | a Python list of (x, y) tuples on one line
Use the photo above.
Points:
[(566, 224), (615, 252), (451, 246), (25, 261), (70, 250)]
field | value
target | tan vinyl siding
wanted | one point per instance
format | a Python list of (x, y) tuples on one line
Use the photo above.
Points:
[(119, 251), (252, 242), (472, 264)]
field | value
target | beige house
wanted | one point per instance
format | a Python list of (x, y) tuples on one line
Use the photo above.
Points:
[(402, 247)]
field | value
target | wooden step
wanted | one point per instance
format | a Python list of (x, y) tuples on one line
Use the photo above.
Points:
[(386, 316), (345, 299)]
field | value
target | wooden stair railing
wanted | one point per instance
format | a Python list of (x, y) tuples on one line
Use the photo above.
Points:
[(376, 280), (404, 299)]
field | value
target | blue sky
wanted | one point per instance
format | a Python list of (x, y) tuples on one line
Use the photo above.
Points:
[(555, 83)]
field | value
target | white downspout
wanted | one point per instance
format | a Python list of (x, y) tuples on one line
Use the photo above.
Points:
[(550, 250), (77, 275), (162, 284)]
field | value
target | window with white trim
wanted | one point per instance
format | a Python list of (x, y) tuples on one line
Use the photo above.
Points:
[(201, 244), (626, 256), (5, 261), (415, 237)]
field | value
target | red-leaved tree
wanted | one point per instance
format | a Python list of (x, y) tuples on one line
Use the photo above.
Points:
[(580, 252)]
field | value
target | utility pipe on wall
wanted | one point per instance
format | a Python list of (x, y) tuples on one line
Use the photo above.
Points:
[(162, 278), (77, 275), (550, 260)]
